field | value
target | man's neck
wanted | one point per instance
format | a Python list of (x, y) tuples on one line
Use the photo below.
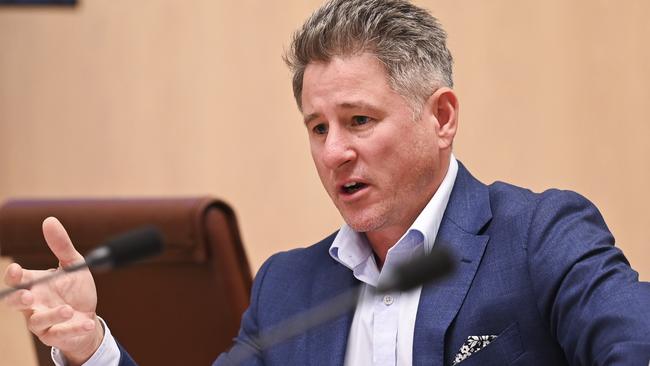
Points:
[(385, 238), (382, 241)]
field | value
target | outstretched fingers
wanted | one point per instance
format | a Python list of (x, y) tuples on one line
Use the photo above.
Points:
[(15, 275), (41, 321), (57, 334), (20, 300), (59, 242)]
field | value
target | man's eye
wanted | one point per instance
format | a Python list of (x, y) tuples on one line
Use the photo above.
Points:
[(360, 120), (320, 129)]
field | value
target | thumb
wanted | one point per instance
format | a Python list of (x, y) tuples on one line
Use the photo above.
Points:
[(59, 242)]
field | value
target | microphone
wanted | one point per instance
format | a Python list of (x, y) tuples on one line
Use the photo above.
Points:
[(118, 251), (126, 248), (433, 266)]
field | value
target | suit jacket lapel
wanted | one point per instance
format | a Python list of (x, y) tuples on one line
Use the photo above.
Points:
[(326, 344), (468, 211)]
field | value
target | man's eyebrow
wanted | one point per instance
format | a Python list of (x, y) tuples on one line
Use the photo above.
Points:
[(353, 105), (344, 105), (310, 117)]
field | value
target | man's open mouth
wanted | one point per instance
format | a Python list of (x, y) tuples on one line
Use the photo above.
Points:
[(352, 187)]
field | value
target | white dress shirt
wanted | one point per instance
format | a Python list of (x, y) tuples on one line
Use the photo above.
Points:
[(383, 325)]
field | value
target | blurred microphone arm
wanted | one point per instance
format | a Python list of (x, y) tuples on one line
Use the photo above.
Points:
[(121, 250), (435, 265)]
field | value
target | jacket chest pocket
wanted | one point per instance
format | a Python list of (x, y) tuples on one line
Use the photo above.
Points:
[(502, 350)]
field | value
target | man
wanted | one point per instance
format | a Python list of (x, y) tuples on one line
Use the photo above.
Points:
[(538, 280)]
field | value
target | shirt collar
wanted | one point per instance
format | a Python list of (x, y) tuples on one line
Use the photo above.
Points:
[(351, 248), (428, 222)]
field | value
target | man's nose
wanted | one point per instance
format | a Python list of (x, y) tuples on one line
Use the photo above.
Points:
[(338, 149)]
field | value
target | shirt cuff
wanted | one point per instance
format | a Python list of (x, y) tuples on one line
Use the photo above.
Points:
[(108, 354)]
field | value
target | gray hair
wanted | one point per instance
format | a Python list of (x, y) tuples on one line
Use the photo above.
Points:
[(408, 40)]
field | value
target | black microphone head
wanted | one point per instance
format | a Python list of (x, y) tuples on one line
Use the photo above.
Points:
[(126, 248), (435, 265)]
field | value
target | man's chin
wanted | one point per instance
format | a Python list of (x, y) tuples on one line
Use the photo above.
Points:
[(363, 224)]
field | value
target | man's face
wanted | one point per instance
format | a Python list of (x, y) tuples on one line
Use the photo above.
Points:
[(379, 166)]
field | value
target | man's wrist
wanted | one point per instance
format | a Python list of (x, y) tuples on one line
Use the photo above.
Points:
[(79, 358)]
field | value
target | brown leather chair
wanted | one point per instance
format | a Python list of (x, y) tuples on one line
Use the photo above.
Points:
[(182, 308)]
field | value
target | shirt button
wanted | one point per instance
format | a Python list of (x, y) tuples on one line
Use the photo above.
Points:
[(388, 300)]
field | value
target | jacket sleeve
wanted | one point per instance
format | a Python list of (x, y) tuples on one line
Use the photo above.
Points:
[(125, 358), (245, 350), (590, 296)]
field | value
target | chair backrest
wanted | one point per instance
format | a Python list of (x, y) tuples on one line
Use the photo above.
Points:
[(182, 308)]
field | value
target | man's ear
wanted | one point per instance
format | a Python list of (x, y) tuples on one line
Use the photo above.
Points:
[(443, 104)]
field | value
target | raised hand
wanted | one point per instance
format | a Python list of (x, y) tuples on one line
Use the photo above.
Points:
[(61, 312)]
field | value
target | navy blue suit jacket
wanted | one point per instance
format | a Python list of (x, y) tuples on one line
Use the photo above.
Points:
[(538, 270)]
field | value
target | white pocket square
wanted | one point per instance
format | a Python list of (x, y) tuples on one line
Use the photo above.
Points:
[(472, 345)]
